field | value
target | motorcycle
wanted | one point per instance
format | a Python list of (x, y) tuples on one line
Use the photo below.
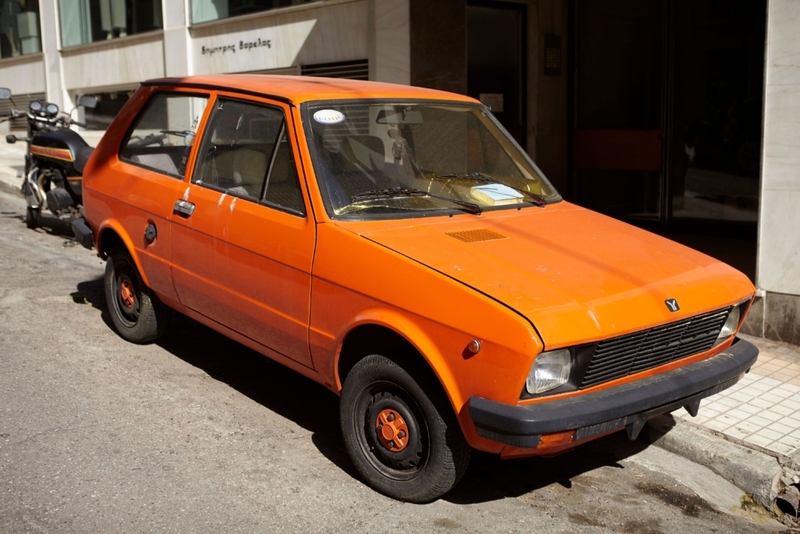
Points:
[(54, 158)]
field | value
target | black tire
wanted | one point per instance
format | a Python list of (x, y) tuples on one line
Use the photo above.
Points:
[(434, 454), (33, 217), (137, 314)]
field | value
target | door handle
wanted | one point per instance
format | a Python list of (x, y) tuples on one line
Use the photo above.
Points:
[(183, 208)]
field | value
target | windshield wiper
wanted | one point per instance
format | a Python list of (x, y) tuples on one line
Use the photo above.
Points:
[(478, 177), (406, 192)]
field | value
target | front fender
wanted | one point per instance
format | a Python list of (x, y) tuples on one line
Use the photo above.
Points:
[(415, 335)]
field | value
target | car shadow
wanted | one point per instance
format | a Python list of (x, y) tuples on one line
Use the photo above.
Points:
[(489, 478), (316, 409), (270, 384)]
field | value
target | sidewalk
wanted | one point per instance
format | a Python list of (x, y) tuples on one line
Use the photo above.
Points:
[(749, 434)]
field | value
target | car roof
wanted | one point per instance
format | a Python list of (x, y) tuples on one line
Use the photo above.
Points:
[(299, 89)]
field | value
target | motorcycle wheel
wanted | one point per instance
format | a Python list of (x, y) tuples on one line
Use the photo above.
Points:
[(33, 217)]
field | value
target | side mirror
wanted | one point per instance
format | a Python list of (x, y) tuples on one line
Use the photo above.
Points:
[(5, 94), (87, 101)]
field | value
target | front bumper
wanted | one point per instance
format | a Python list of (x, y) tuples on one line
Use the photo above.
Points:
[(627, 406)]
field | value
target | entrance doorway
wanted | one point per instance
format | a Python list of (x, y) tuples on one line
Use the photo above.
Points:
[(496, 62), (667, 107)]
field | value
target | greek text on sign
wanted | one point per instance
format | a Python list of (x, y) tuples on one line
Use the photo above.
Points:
[(243, 45)]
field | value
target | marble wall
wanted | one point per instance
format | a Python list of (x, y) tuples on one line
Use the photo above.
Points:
[(23, 74), (335, 30), (778, 263), (114, 63), (390, 41)]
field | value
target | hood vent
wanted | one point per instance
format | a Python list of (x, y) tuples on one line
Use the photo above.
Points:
[(474, 236)]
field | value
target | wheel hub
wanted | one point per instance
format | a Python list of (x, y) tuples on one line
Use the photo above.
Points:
[(392, 430), (126, 293)]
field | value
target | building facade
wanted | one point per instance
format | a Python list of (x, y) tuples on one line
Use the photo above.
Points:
[(680, 116)]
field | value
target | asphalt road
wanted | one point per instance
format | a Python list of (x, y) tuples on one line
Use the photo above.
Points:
[(199, 434)]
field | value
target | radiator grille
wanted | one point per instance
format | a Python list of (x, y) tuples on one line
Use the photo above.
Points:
[(633, 353)]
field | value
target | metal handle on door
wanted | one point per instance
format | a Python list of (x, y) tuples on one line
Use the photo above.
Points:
[(184, 208)]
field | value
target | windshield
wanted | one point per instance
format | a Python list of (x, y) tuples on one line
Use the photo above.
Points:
[(389, 159)]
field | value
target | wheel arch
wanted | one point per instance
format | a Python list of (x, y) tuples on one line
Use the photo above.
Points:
[(112, 235), (403, 342)]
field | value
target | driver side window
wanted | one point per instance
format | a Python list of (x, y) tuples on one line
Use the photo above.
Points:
[(246, 153), (162, 137)]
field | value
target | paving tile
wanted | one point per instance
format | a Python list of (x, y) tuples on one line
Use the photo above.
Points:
[(716, 424), (707, 414), (782, 410), (772, 435), (726, 402), (741, 396), (759, 440), (795, 381), (770, 415), (748, 427), (783, 428), (736, 432), (759, 386), (791, 403), (771, 397), (782, 448), (749, 409), (771, 381), (759, 420), (786, 390), (761, 403), (788, 440)]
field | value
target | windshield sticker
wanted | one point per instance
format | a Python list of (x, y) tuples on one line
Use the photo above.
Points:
[(329, 116)]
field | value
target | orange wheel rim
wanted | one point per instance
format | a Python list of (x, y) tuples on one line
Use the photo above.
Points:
[(392, 430), (126, 293)]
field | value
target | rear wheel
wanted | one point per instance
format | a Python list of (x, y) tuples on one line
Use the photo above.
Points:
[(404, 439), (137, 314), (33, 217)]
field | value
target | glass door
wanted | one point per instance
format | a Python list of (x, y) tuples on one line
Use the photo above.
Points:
[(618, 107)]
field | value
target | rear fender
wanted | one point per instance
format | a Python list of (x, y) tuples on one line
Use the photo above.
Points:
[(115, 227)]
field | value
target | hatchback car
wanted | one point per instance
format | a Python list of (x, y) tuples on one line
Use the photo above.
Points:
[(397, 246)]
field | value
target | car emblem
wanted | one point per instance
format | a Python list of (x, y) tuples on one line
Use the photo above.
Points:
[(672, 304)]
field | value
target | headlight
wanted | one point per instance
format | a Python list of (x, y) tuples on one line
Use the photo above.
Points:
[(550, 370), (730, 326)]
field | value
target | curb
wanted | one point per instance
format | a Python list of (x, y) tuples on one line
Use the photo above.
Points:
[(6, 184), (754, 472)]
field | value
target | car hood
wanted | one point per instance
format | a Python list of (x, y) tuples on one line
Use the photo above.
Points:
[(576, 275)]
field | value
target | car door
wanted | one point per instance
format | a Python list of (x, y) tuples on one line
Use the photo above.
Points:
[(242, 245), (149, 176)]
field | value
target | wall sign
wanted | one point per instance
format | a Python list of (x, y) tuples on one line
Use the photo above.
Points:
[(232, 48), (552, 55)]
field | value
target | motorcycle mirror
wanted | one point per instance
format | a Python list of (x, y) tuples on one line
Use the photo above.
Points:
[(87, 101), (5, 94)]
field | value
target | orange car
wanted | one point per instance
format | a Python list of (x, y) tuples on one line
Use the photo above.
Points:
[(394, 244)]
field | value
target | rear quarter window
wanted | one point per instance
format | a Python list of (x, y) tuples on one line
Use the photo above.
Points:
[(163, 135)]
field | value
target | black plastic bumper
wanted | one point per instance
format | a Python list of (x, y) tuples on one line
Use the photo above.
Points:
[(83, 234), (627, 406)]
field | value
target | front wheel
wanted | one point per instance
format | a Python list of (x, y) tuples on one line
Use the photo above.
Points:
[(33, 217), (137, 314), (403, 439)]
